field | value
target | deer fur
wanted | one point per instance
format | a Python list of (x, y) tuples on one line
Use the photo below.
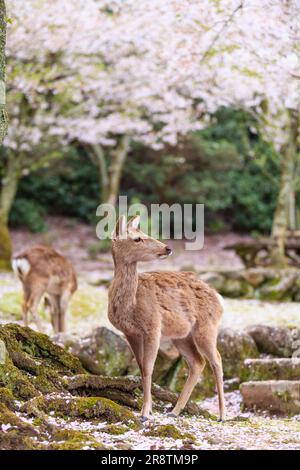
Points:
[(42, 270), (153, 305)]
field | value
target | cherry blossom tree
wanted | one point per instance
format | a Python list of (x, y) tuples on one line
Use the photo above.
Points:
[(273, 67), (3, 126), (103, 74)]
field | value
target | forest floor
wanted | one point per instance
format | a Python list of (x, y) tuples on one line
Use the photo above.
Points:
[(88, 310), (240, 431)]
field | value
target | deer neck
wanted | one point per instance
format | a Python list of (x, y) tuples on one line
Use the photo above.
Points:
[(124, 287)]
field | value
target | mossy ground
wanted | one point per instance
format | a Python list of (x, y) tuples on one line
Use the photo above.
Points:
[(60, 421), (169, 431), (23, 378)]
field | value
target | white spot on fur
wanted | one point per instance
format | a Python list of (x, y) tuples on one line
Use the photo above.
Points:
[(221, 300), (21, 265)]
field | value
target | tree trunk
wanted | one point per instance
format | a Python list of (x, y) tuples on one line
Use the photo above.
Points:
[(285, 204), (115, 170), (110, 172), (3, 117), (292, 224), (5, 244), (7, 195), (98, 158)]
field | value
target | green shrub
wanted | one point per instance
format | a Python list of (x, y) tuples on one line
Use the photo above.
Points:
[(28, 213), (224, 166)]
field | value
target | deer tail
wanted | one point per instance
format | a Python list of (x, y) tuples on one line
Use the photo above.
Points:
[(21, 267)]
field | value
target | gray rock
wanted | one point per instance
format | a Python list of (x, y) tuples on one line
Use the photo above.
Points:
[(214, 279), (281, 288), (254, 276), (274, 396), (235, 347), (102, 352), (277, 341), (236, 288), (272, 368)]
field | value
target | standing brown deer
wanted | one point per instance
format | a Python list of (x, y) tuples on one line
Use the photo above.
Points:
[(42, 270), (174, 305)]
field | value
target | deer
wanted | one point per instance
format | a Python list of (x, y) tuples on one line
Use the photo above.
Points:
[(151, 306), (42, 270)]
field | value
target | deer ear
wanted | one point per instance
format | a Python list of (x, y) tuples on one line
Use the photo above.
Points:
[(134, 222), (119, 228)]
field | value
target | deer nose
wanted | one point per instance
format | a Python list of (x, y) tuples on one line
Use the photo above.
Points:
[(168, 251)]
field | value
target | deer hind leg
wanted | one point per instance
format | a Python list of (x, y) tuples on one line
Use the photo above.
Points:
[(63, 307), (196, 364), (150, 350), (54, 312), (34, 301), (210, 352)]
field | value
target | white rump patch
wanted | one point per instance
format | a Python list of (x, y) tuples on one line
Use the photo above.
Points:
[(221, 300), (21, 266)]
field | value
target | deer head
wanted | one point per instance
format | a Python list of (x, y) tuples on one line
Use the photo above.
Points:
[(130, 244)]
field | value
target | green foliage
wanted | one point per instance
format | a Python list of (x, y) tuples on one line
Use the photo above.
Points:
[(220, 167), (70, 188), (28, 213), (226, 166)]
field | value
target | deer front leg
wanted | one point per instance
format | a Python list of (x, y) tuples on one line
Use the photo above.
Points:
[(25, 312), (137, 346), (151, 346)]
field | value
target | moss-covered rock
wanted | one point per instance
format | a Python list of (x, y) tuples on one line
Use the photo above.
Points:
[(33, 364), (83, 407), (69, 439), (16, 380), (268, 368), (43, 389), (7, 398), (9, 419), (168, 431), (102, 352), (236, 288), (260, 283), (234, 347), (277, 341), (214, 279), (275, 396), (115, 429), (279, 288)]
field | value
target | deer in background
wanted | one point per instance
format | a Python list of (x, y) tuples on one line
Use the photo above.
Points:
[(173, 305), (42, 270)]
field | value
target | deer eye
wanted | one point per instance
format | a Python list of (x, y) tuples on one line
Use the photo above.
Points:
[(138, 239)]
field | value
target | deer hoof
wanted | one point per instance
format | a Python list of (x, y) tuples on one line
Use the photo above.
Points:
[(220, 420), (144, 419)]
